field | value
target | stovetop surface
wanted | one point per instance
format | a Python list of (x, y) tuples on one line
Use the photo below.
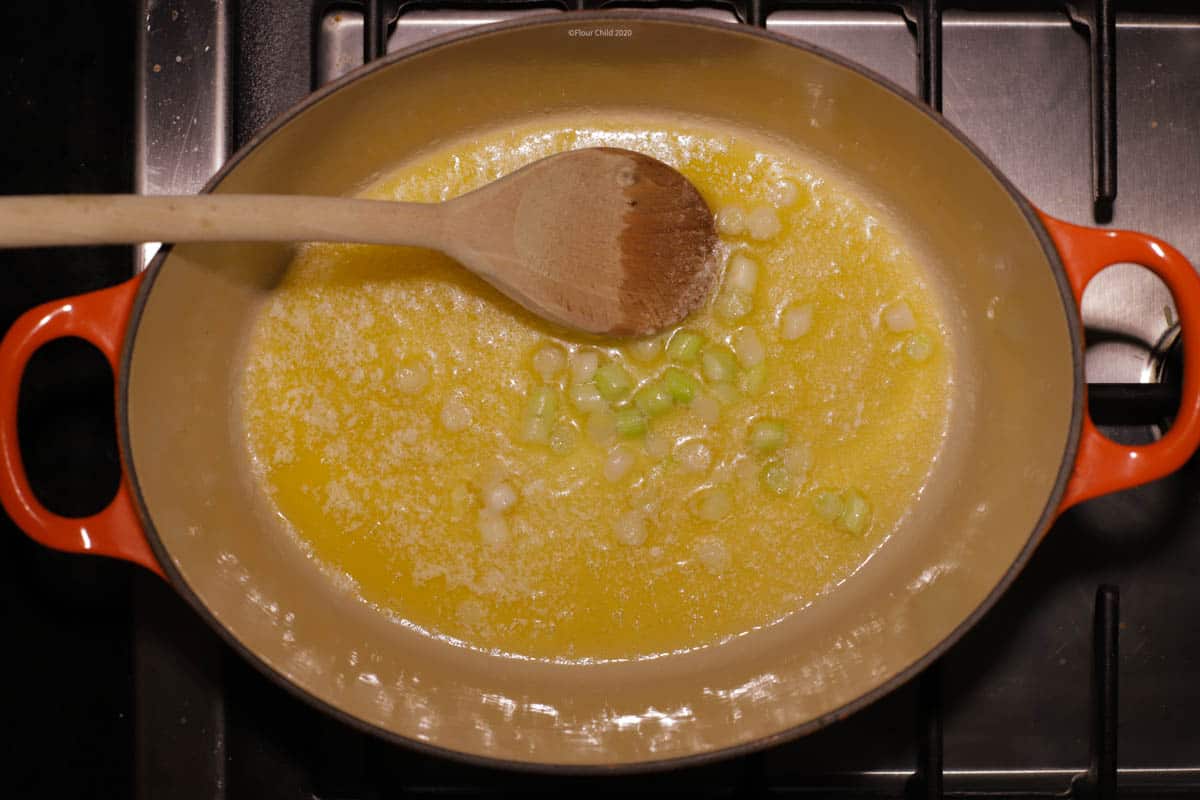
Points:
[(67, 113), (118, 689)]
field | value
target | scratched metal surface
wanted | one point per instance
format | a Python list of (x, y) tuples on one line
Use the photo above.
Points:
[(184, 125), (1017, 84)]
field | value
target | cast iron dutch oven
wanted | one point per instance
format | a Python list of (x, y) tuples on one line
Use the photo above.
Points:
[(1021, 447)]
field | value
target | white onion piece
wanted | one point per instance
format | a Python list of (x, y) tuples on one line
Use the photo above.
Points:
[(587, 397), (548, 361), (797, 458), (499, 498), (731, 220), (493, 528), (748, 347), (918, 347), (618, 463), (795, 322), (630, 528), (693, 455), (763, 223), (783, 193), (646, 349), (411, 377), (455, 415), (741, 274), (714, 504), (583, 365), (712, 553), (898, 317)]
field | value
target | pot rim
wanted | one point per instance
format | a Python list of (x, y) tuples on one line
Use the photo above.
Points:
[(1049, 513)]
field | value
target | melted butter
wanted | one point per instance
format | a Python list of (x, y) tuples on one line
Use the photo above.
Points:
[(355, 359)]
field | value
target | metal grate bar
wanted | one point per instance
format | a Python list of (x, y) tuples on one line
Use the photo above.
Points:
[(179, 712), (1105, 661), (929, 52), (927, 782), (1098, 18), (375, 25), (1100, 781)]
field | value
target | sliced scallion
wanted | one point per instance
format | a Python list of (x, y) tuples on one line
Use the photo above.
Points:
[(718, 364), (741, 275), (680, 385), (654, 399), (829, 506), (734, 304), (646, 350), (587, 397), (856, 514), (542, 402), (918, 347), (768, 435), (777, 478), (540, 411), (685, 347), (752, 381), (631, 423), (613, 381)]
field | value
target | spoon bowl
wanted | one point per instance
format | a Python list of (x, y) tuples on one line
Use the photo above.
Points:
[(601, 240)]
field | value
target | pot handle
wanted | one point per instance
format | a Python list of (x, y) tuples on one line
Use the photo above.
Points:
[(101, 318), (1101, 465)]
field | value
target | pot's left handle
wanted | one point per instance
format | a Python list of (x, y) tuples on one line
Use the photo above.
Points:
[(100, 318), (1102, 465)]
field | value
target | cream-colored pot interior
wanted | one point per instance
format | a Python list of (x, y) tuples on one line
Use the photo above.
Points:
[(993, 492)]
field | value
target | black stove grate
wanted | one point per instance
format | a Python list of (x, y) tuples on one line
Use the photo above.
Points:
[(292, 750), (303, 752), (205, 724), (1097, 17)]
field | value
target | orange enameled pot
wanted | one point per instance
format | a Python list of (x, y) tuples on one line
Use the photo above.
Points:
[(1021, 448)]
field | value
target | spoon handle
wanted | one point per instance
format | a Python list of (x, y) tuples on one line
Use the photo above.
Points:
[(48, 220)]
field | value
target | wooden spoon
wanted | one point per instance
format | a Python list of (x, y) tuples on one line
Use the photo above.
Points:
[(603, 240)]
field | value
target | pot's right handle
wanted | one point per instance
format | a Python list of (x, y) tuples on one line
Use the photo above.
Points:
[(100, 318), (1102, 465)]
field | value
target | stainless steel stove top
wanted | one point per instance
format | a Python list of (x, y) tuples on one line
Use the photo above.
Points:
[(1015, 690)]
